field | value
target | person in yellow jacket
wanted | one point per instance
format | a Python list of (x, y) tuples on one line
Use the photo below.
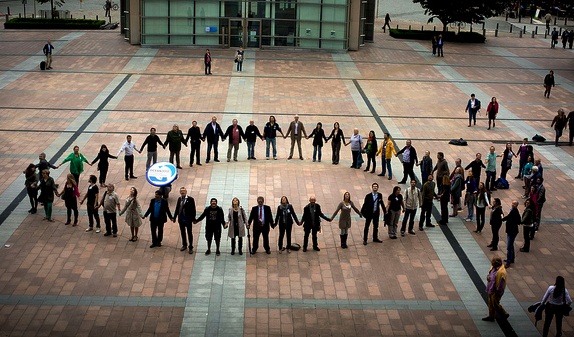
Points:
[(496, 283), (388, 148)]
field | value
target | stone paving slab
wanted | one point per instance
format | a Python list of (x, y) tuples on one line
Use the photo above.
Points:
[(58, 280)]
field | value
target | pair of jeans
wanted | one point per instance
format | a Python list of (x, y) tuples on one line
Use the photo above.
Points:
[(111, 222), (151, 159), (317, 152), (211, 145), (471, 116), (470, 205), (386, 165), (426, 211), (250, 149), (285, 229), (175, 154), (409, 213), (33, 196), (336, 147), (93, 215), (490, 178), (129, 166), (480, 211), (156, 231), (510, 248), (551, 311), (271, 142)]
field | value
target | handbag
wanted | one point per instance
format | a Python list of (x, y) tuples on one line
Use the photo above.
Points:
[(235, 60)]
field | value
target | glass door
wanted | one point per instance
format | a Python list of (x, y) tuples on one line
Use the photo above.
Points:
[(253, 31), (236, 34)]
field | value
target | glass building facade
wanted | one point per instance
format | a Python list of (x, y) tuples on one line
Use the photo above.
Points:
[(313, 24)]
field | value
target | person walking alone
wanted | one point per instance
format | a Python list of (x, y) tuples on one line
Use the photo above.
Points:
[(555, 298), (496, 284)]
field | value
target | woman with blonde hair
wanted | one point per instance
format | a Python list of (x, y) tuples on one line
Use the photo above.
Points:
[(134, 213), (236, 221)]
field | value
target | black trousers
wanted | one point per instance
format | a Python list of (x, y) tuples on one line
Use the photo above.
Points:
[(426, 212), (111, 222), (156, 231), (526, 232), (495, 230), (260, 231), (33, 196), (194, 152), (93, 215), (375, 219), (409, 213), (104, 173), (215, 152), (285, 229), (336, 147), (480, 218), (443, 211), (185, 228), (308, 231), (408, 171), (207, 68), (129, 167), (176, 155), (551, 311), (77, 177)]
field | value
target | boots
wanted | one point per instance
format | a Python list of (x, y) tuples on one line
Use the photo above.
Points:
[(233, 246), (240, 247), (344, 241)]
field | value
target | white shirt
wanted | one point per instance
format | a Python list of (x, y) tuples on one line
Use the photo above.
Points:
[(128, 148), (556, 301)]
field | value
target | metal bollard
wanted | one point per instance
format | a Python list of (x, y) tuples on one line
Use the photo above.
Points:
[(96, 18), (506, 16), (524, 30), (520, 35), (484, 32), (434, 28), (422, 28), (536, 30), (471, 27), (84, 16), (409, 25), (531, 20), (511, 28), (483, 26), (545, 33), (532, 34), (496, 32), (555, 20)]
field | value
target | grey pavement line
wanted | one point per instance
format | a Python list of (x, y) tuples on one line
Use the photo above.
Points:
[(70, 300), (337, 304), (33, 62), (474, 253), (216, 295)]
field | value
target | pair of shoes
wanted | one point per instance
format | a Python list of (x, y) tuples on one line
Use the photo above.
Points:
[(301, 158), (468, 219), (412, 233), (431, 225), (268, 251), (517, 177), (198, 164), (390, 178), (98, 229), (381, 175), (115, 235), (107, 234), (153, 245), (183, 248), (179, 167), (207, 252), (134, 177), (228, 160), (316, 249), (304, 249), (488, 128), (507, 265), (289, 158), (89, 229), (127, 179), (274, 158), (217, 252), (216, 160), (524, 250), (452, 215), (377, 240), (493, 249), (131, 239), (421, 229), (488, 319), (394, 237), (402, 233), (402, 181), (191, 250), (207, 161), (364, 243), (67, 223)]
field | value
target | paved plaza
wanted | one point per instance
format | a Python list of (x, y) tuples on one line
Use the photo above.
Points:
[(58, 280)]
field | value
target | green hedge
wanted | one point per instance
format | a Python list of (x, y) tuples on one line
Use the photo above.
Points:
[(465, 37), (30, 23)]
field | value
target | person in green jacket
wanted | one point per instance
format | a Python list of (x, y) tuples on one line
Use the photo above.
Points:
[(77, 161), (174, 139)]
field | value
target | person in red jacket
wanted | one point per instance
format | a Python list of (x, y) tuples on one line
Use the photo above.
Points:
[(492, 111)]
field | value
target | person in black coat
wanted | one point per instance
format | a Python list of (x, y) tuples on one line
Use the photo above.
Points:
[(211, 133), (311, 222), (262, 220), (207, 61), (513, 219), (151, 141), (103, 164), (185, 210), (318, 135), (215, 221), (370, 210), (285, 217), (549, 81), (251, 134), (195, 139), (409, 160), (371, 148), (235, 133), (338, 137), (495, 222), (159, 212)]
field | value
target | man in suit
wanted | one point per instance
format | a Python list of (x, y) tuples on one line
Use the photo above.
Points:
[(212, 132), (185, 210), (195, 139), (513, 219), (262, 220), (215, 221), (48, 48), (296, 129), (311, 222), (235, 133), (370, 210), (472, 107), (409, 160), (159, 212)]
